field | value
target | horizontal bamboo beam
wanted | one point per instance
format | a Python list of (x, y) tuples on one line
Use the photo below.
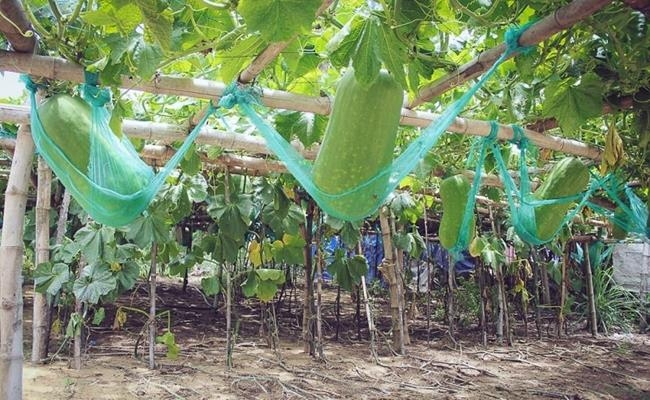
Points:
[(561, 19), (57, 68), (169, 133)]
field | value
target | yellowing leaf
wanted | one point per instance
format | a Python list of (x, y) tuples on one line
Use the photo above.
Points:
[(255, 253)]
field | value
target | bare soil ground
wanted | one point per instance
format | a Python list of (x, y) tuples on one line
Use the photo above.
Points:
[(577, 367)]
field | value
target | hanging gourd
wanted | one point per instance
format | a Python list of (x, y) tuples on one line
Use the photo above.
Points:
[(359, 144)]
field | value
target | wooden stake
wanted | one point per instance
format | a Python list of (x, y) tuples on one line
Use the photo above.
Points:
[(41, 309), (319, 295), (563, 289), (153, 273), (593, 319), (308, 291)]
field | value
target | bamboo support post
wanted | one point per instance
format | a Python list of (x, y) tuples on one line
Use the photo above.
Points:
[(11, 257), (561, 19)]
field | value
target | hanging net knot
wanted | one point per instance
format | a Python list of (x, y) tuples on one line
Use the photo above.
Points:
[(95, 95), (519, 137), (494, 130), (237, 93), (512, 37), (29, 83)]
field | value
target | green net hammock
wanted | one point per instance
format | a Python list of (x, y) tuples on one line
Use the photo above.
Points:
[(247, 98), (632, 216), (117, 186)]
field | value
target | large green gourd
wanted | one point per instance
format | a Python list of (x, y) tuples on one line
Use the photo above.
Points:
[(454, 193), (567, 178), (67, 122), (359, 142)]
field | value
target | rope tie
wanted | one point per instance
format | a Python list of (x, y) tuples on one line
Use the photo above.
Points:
[(96, 96), (29, 83), (494, 131), (511, 39), (519, 138), (236, 93)]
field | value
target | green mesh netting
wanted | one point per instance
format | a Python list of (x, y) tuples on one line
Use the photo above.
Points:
[(246, 98), (117, 185), (633, 213)]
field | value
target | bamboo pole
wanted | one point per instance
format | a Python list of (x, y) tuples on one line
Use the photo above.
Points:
[(11, 257), (168, 133), (56, 68), (40, 316), (560, 20)]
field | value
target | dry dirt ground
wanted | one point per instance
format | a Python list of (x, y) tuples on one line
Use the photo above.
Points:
[(577, 367)]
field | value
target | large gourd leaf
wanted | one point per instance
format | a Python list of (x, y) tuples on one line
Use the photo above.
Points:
[(95, 281), (49, 278), (573, 102), (278, 20)]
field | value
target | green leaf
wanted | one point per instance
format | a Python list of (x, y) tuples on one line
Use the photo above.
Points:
[(95, 241), (147, 57), (343, 45), (197, 188), (285, 220), (99, 316), (158, 20), (123, 19), (127, 275), (357, 267), (226, 248), (210, 285), (169, 340), (50, 278), (74, 325), (573, 102), (272, 275), (266, 290), (350, 233), (290, 250), (148, 228), (249, 286), (393, 53), (278, 20), (239, 55), (365, 59), (307, 127), (95, 281), (191, 164)]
